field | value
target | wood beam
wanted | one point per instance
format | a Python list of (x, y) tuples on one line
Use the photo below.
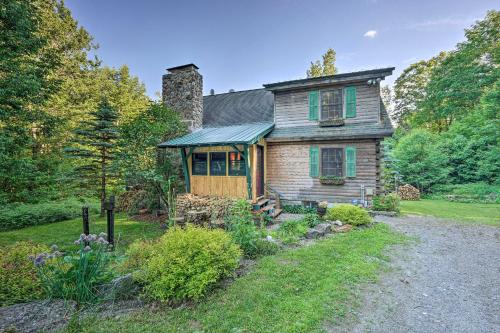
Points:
[(185, 168), (246, 156)]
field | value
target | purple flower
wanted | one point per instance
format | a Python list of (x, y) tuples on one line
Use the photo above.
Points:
[(101, 240), (57, 254), (39, 261), (78, 242), (103, 235), (87, 249)]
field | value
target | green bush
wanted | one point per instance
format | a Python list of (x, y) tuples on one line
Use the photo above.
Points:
[(15, 216), (348, 214), (312, 220), (265, 248), (388, 203), (240, 224), (184, 264), (76, 276), (291, 230), (19, 281), (298, 209)]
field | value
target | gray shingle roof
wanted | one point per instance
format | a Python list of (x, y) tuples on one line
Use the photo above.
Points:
[(314, 132), (238, 107), (220, 136)]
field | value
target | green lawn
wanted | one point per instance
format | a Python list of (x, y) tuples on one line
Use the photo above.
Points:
[(65, 233), (464, 212), (297, 290)]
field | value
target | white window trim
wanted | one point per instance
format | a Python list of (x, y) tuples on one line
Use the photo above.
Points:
[(320, 93)]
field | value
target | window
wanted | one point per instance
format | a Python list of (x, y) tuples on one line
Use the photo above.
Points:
[(218, 164), (331, 104), (199, 164), (236, 164), (331, 162)]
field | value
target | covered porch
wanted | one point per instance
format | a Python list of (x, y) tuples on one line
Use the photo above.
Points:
[(224, 161)]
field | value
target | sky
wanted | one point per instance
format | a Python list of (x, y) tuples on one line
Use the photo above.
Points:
[(243, 44)]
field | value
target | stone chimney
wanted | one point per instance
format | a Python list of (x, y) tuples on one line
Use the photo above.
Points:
[(182, 91)]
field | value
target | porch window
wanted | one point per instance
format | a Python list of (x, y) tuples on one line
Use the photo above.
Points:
[(218, 164), (332, 162), (236, 165), (331, 104), (199, 164)]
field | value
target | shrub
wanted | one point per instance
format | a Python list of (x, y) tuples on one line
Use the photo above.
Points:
[(311, 220), (388, 203), (265, 248), (185, 263), (348, 214), (76, 276), (18, 277), (291, 230), (137, 254), (298, 209), (241, 226), (15, 216)]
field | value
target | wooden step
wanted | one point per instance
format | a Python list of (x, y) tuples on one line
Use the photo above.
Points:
[(276, 213), (267, 208), (258, 205)]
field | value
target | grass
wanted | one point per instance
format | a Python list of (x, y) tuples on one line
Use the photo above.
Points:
[(64, 233), (462, 212), (299, 290)]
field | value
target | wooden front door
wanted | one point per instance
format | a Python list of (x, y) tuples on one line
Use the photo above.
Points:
[(260, 171)]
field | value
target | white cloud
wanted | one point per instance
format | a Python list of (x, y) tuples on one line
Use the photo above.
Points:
[(370, 33)]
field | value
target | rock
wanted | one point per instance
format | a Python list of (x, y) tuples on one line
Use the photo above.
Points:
[(324, 228), (36, 316), (336, 223), (122, 287), (314, 233), (344, 228)]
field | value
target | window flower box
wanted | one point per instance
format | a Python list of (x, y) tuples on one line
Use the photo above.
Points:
[(331, 180), (331, 122)]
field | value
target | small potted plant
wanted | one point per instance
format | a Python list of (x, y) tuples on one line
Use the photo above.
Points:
[(331, 180), (321, 209)]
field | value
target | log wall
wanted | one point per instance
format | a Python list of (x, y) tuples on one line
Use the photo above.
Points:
[(288, 171)]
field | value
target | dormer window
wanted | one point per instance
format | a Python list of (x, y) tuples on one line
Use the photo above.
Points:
[(331, 104)]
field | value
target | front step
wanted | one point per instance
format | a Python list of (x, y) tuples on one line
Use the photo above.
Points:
[(259, 204)]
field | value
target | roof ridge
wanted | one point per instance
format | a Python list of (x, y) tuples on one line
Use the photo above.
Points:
[(234, 92)]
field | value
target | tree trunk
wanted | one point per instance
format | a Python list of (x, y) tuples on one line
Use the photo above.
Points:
[(103, 181)]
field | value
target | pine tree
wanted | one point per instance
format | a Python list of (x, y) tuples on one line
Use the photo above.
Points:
[(95, 144), (327, 67)]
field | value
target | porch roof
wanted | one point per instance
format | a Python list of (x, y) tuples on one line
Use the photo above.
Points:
[(222, 136)]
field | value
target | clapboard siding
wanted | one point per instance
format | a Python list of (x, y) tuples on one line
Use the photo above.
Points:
[(288, 172), (292, 107)]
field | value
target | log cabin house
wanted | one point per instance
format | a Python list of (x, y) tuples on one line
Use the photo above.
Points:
[(307, 140)]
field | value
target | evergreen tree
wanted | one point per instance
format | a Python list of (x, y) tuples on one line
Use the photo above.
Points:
[(95, 145), (324, 68)]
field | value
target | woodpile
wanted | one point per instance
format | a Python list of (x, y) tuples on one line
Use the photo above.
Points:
[(408, 192), (214, 208)]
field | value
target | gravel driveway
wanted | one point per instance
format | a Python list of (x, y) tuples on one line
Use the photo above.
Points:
[(447, 281)]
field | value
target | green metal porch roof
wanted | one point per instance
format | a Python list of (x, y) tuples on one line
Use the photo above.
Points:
[(222, 136)]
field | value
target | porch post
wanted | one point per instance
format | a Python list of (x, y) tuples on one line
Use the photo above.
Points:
[(247, 170), (185, 169)]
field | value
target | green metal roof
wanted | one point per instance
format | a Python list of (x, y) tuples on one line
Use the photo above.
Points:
[(220, 136)]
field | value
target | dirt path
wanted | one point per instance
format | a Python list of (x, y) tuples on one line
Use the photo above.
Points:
[(448, 281)]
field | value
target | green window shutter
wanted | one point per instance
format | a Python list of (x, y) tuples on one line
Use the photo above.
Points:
[(350, 161), (313, 105), (350, 102), (314, 161)]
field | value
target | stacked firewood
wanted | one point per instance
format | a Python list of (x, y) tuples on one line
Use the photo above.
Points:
[(217, 207), (408, 192)]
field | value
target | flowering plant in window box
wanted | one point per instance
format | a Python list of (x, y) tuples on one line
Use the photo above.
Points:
[(331, 122), (331, 180)]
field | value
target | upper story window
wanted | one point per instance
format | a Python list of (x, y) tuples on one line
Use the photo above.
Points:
[(331, 104)]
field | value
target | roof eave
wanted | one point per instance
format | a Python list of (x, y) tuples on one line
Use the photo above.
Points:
[(329, 80), (329, 137)]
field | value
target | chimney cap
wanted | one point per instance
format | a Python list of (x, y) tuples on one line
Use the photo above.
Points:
[(182, 67)]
